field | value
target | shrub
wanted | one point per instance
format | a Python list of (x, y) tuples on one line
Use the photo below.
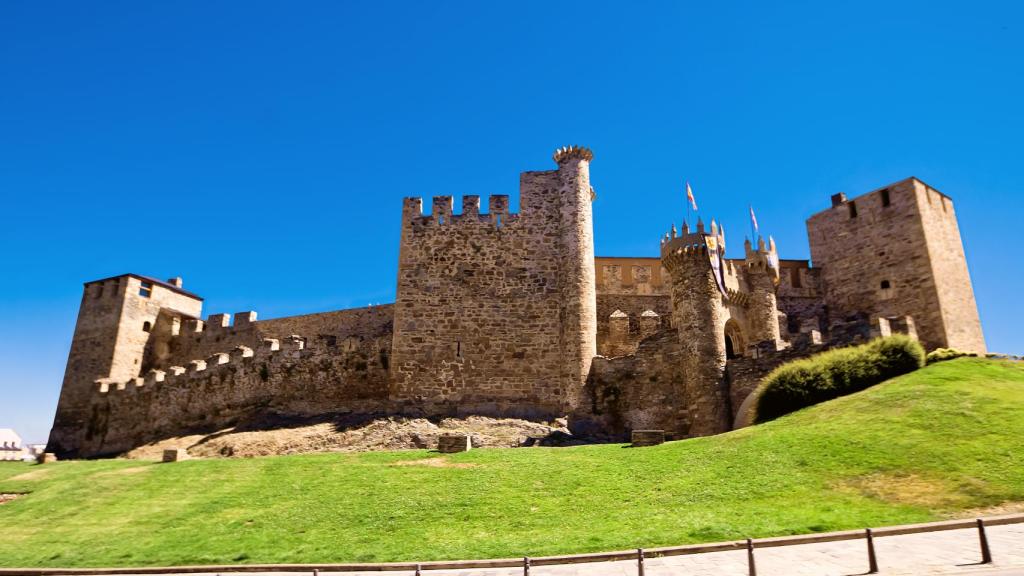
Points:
[(835, 373), (942, 354)]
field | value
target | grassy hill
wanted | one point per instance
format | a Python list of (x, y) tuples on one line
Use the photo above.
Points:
[(943, 441)]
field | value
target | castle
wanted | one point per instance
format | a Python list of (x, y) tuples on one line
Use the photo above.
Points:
[(511, 314)]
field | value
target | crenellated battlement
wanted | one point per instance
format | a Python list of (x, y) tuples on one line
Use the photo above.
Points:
[(289, 349), (442, 211)]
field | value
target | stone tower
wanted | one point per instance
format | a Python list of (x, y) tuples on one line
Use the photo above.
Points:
[(496, 313), (115, 318), (762, 277), (897, 252), (699, 315), (578, 275)]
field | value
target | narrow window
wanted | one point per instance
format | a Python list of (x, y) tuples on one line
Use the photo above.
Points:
[(458, 348), (146, 289), (853, 209), (885, 291), (146, 326), (497, 219), (794, 278), (885, 198)]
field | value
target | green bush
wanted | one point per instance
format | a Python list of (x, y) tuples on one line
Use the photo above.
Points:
[(942, 354), (835, 373)]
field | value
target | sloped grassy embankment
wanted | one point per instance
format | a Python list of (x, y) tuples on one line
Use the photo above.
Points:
[(940, 442)]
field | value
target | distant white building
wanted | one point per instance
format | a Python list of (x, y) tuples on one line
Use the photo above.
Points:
[(10, 445)]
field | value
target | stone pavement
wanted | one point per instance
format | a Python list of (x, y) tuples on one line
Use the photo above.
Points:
[(948, 552)]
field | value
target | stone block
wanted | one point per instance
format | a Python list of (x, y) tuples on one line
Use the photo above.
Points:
[(175, 455), (648, 437), (46, 458), (450, 443)]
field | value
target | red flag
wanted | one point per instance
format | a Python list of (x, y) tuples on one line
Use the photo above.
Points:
[(689, 196)]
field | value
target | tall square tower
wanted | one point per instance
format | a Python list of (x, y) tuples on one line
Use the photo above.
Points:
[(896, 251)]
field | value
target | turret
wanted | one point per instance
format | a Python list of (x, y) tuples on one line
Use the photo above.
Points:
[(762, 275), (698, 314), (579, 295)]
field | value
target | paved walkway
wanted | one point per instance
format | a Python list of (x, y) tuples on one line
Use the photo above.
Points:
[(947, 552)]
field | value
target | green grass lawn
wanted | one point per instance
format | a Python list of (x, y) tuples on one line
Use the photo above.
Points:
[(936, 443)]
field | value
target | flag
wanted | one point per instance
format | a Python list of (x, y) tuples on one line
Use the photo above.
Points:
[(753, 221), (689, 196)]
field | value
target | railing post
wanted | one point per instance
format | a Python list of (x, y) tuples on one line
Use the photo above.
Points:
[(316, 572), (872, 560), (417, 569), (640, 561), (526, 566), (751, 567), (986, 554)]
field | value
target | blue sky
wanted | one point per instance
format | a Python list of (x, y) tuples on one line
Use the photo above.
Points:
[(261, 149)]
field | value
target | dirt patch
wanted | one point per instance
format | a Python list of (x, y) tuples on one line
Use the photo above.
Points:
[(32, 474), (997, 510), (282, 435), (5, 498), (909, 489), (435, 463)]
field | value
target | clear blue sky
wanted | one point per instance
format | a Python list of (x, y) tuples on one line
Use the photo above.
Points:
[(261, 150)]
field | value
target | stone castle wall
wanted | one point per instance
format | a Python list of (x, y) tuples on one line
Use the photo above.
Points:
[(510, 314), (115, 321), (895, 252), (495, 313), (278, 378), (632, 286)]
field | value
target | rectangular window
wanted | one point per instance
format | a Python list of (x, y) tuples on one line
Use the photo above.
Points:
[(794, 277), (146, 289), (885, 198), (853, 209)]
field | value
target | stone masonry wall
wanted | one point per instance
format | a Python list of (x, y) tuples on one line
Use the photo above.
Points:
[(115, 320), (645, 390), (897, 252), (197, 339), (241, 384), (496, 313), (957, 306)]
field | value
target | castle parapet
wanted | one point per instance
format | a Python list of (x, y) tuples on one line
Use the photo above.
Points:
[(154, 376), (240, 352), (198, 370), (218, 322), (442, 211), (244, 319)]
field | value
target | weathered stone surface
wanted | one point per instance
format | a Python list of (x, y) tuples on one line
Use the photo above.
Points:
[(46, 458), (897, 251), (175, 455), (647, 437), (451, 443)]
